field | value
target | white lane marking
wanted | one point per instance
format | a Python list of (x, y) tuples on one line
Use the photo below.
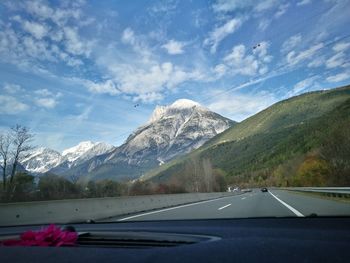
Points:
[(296, 212), (243, 198), (175, 207), (224, 207)]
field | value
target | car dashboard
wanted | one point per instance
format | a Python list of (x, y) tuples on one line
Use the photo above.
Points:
[(325, 239)]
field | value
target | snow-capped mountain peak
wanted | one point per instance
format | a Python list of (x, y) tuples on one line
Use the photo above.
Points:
[(157, 113), (172, 130), (73, 153), (42, 160), (184, 104)]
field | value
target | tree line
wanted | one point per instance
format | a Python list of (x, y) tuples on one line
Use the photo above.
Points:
[(18, 185)]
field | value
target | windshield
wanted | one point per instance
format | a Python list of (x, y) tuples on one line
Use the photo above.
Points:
[(160, 110)]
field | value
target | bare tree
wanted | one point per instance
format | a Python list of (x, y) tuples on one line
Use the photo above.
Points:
[(21, 137), (208, 174), (5, 144)]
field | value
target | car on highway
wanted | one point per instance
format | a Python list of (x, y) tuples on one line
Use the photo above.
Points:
[(264, 190)]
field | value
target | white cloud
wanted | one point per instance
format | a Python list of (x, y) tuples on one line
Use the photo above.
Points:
[(136, 42), (234, 5), (74, 44), (12, 88), (46, 99), (339, 77), (282, 9), (174, 47), (59, 16), (303, 2), (43, 92), (291, 42), (239, 61), (264, 23), (148, 97), (336, 60), (107, 87), (239, 106), (230, 5), (342, 46), (220, 70), (55, 43), (155, 79), (37, 30), (303, 85), (317, 62), (39, 9), (294, 58), (48, 103), (10, 105), (36, 49), (128, 36), (142, 75), (221, 32), (265, 5)]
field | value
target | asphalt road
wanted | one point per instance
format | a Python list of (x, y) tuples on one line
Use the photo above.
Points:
[(275, 203)]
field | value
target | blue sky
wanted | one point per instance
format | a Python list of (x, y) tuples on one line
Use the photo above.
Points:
[(73, 70)]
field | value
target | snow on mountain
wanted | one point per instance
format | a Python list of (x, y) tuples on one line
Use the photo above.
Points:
[(85, 151), (171, 131), (41, 160), (73, 153), (180, 105), (184, 104), (177, 129)]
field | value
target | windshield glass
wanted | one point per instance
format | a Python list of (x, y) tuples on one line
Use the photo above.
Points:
[(159, 110)]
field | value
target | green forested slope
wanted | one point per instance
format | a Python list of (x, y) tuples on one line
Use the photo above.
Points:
[(277, 146)]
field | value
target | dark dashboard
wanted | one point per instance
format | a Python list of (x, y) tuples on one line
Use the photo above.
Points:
[(222, 240)]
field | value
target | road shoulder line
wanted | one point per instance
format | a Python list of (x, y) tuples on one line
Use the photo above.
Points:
[(296, 212)]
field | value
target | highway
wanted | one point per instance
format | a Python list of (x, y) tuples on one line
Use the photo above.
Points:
[(275, 203)]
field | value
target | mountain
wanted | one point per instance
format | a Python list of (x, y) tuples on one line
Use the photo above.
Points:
[(79, 154), (287, 143), (42, 160), (171, 131)]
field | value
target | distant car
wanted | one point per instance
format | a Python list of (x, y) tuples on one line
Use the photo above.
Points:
[(264, 190)]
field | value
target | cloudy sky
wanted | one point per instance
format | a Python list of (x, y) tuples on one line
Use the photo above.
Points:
[(73, 70)]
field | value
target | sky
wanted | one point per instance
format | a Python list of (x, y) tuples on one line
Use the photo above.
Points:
[(73, 71)]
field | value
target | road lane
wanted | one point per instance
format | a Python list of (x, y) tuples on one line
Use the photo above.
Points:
[(308, 204), (275, 203), (253, 205), (223, 207)]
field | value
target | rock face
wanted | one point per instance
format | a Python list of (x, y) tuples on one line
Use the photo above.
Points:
[(171, 131)]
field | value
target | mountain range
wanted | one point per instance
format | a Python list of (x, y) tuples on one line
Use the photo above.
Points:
[(171, 131), (42, 160)]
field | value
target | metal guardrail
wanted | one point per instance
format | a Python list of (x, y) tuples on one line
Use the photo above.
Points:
[(342, 192)]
